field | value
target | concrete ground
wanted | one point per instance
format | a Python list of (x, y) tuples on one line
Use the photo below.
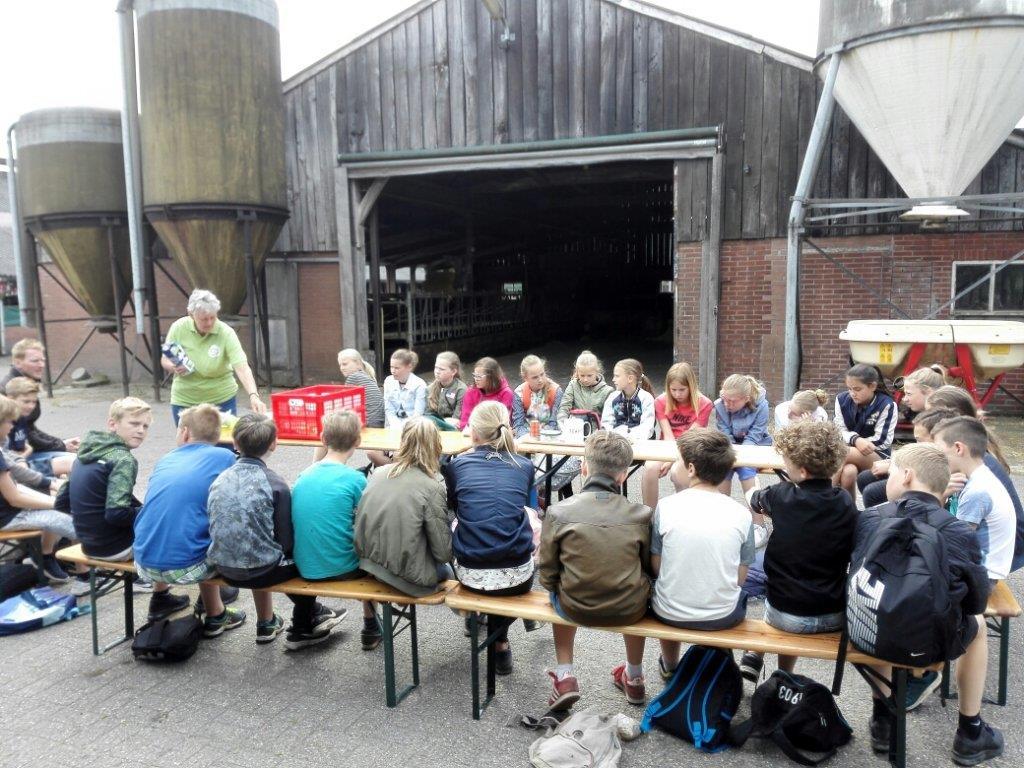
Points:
[(238, 704)]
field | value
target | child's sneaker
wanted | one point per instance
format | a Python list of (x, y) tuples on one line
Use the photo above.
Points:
[(164, 604), (988, 745), (751, 665), (371, 635), (267, 631), (564, 692), (218, 625), (666, 674), (324, 622), (53, 570), (635, 690)]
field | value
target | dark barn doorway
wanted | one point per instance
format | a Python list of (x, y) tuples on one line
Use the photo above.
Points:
[(550, 260)]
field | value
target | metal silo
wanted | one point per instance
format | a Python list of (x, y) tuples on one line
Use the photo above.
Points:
[(212, 134), (72, 199), (935, 87)]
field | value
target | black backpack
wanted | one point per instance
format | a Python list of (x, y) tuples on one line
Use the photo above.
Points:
[(15, 578), (799, 715), (168, 639), (898, 604), (700, 700)]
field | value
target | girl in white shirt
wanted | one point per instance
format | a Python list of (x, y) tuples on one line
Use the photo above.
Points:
[(806, 405)]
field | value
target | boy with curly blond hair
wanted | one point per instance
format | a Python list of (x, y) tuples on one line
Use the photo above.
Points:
[(808, 553)]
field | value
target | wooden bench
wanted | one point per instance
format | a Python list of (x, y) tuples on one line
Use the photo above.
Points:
[(1002, 606), (399, 609), (748, 635), (28, 543)]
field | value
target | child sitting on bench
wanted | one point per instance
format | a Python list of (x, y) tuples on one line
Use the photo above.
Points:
[(98, 493), (595, 551), (324, 502), (172, 529), (702, 543), (251, 535), (918, 474), (807, 556), (22, 509), (402, 535)]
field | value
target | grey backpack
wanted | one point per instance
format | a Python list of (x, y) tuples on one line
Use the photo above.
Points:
[(587, 739)]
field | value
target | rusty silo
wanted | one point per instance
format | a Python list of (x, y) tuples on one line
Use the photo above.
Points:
[(72, 196), (212, 134)]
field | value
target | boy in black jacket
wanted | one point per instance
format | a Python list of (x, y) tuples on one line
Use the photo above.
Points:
[(918, 474), (808, 553)]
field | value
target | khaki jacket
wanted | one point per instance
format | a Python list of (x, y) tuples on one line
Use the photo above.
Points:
[(595, 554), (402, 531)]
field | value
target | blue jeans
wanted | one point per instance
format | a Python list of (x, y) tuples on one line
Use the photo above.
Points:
[(228, 405), (803, 625), (557, 605), (43, 461), (743, 473)]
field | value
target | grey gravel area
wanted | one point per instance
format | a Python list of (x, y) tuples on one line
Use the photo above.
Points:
[(239, 704)]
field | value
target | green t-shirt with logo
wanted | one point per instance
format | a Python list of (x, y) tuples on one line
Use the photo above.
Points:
[(215, 355)]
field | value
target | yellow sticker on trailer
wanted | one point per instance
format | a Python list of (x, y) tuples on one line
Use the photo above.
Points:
[(885, 353), (999, 349)]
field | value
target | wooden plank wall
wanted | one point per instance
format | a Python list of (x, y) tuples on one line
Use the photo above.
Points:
[(579, 68)]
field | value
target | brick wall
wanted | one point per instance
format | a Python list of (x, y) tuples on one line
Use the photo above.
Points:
[(912, 271), (319, 321)]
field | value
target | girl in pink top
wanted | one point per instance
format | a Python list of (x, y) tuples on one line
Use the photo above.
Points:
[(680, 407), (488, 384)]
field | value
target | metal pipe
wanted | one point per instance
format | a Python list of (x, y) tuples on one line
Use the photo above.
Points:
[(115, 278), (132, 158), (808, 170), (17, 229), (681, 134)]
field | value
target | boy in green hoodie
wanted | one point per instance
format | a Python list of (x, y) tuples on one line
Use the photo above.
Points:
[(98, 493)]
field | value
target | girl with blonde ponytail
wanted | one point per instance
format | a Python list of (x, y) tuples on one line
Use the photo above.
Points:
[(356, 372), (489, 487)]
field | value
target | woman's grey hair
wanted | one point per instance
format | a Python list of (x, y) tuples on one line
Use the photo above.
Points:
[(203, 302)]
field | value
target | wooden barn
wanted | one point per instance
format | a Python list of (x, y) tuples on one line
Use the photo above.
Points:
[(587, 171), (590, 169)]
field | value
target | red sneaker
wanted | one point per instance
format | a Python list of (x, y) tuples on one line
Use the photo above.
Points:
[(564, 692), (634, 689)]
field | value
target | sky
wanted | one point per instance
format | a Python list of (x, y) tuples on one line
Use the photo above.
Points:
[(59, 53)]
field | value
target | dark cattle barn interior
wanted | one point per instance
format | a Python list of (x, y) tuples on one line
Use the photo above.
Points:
[(494, 261)]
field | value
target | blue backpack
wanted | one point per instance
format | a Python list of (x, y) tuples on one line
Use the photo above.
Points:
[(700, 700), (36, 608)]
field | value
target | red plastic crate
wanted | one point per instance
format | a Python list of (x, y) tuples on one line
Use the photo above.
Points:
[(299, 413)]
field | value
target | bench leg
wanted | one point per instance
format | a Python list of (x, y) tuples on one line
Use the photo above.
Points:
[(393, 627), (947, 678), (898, 738), (896, 703), (1003, 625), (92, 612), (34, 548), (97, 591), (474, 663)]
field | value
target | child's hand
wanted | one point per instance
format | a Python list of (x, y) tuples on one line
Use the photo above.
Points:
[(957, 481), (880, 468), (665, 469), (72, 444), (864, 445)]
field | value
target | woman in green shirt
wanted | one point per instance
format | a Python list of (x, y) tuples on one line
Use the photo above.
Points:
[(215, 358)]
